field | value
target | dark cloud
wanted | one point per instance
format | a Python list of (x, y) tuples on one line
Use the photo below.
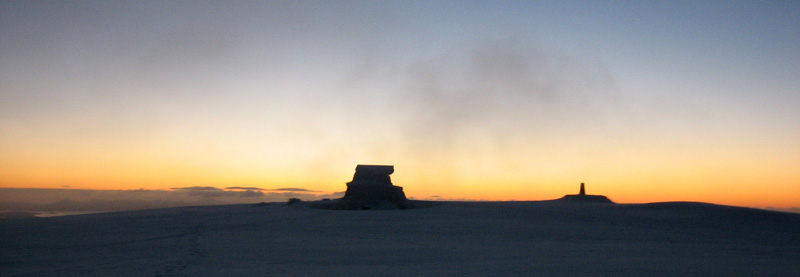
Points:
[(217, 192), (293, 189), (244, 188), (197, 188), (236, 191), (249, 193), (202, 191)]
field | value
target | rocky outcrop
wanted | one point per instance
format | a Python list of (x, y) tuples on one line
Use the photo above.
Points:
[(372, 188)]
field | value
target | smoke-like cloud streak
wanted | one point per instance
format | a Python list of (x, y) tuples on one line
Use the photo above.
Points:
[(485, 98)]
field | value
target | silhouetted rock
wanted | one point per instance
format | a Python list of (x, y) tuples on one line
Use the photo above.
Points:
[(294, 201), (372, 188), (583, 197), (378, 174)]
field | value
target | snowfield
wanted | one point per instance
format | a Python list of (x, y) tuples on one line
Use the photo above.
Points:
[(444, 238)]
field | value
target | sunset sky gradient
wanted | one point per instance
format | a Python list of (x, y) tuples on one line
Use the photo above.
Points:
[(644, 101)]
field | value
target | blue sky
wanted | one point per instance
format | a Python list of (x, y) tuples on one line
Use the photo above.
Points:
[(628, 94)]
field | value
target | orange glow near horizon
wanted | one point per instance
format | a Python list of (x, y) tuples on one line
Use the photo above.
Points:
[(744, 171), (521, 102), (658, 177)]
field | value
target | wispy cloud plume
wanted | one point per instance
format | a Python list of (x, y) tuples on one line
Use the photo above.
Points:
[(481, 101)]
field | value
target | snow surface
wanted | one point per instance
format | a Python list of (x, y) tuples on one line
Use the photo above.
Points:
[(447, 238)]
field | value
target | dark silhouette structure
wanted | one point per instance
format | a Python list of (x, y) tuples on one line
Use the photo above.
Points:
[(372, 188), (583, 197)]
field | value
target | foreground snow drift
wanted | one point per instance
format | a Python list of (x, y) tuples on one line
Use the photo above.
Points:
[(451, 238)]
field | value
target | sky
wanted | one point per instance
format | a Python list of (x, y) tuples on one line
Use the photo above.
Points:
[(644, 101)]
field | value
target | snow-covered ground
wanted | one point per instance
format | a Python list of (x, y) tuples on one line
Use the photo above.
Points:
[(449, 238)]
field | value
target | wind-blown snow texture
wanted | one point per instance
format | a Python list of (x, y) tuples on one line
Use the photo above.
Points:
[(448, 238)]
